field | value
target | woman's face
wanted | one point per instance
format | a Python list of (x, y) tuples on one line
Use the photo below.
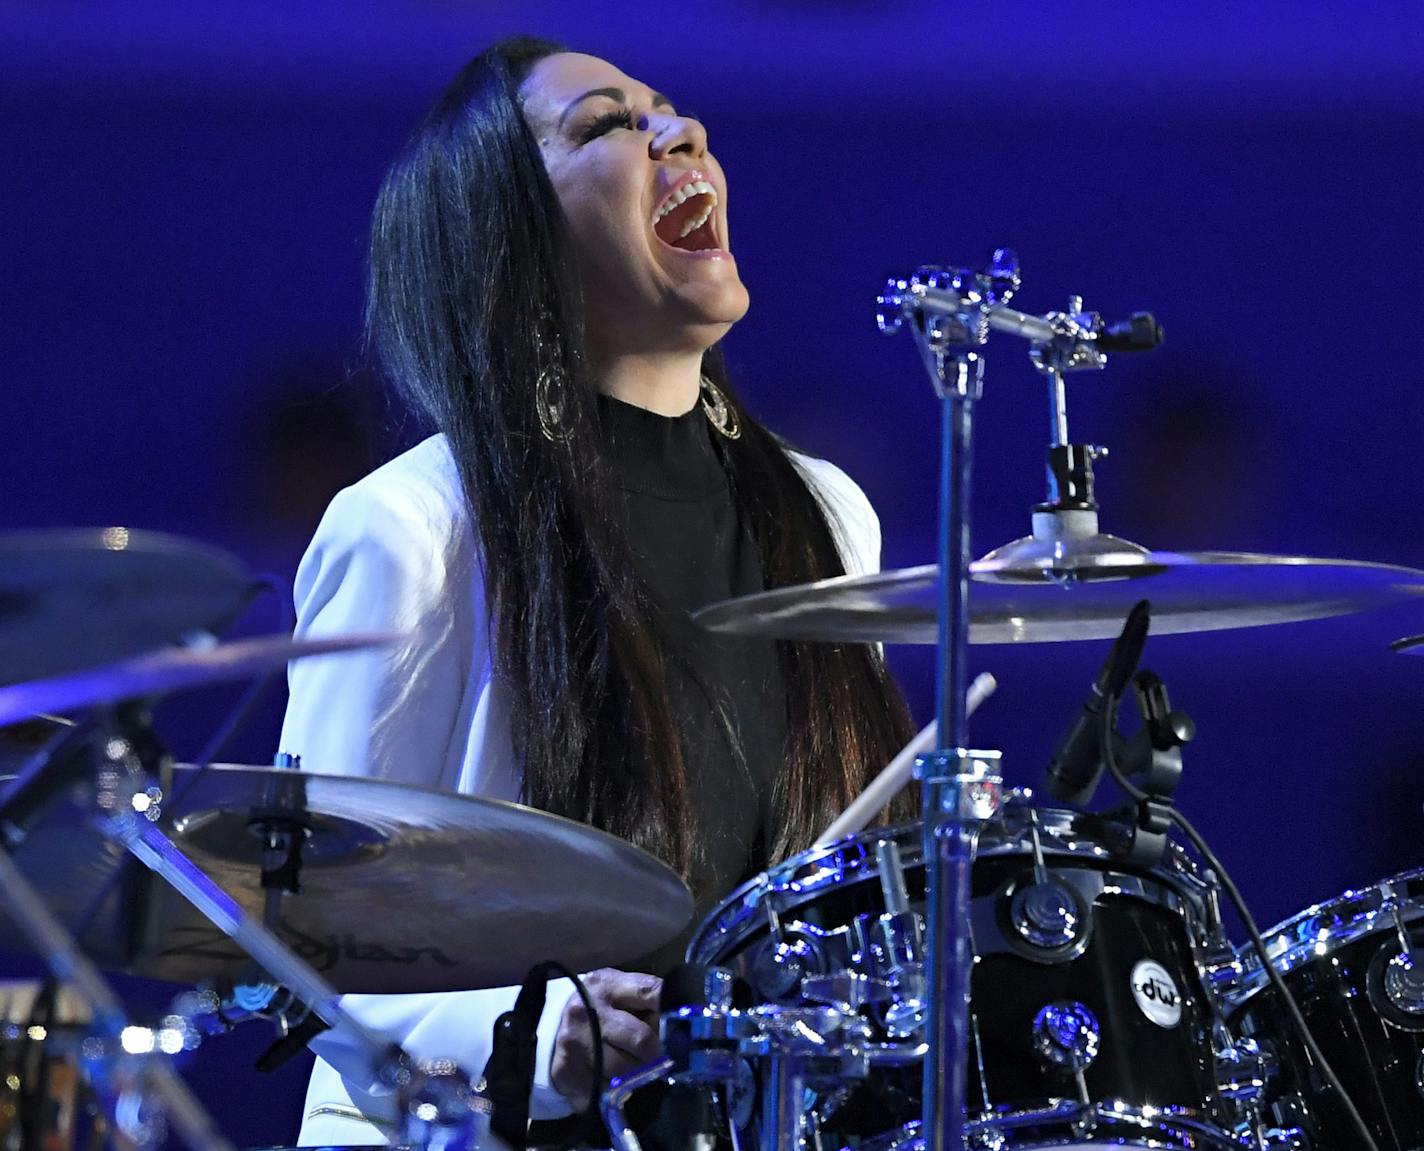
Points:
[(646, 204)]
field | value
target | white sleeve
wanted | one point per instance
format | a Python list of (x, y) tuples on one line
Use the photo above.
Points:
[(854, 525), (379, 563), (386, 560)]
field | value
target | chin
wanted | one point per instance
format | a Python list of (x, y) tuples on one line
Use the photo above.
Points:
[(719, 306)]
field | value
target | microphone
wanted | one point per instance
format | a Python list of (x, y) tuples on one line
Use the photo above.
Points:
[(1077, 764), (1140, 332)]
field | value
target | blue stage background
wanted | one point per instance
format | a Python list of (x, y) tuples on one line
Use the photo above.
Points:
[(183, 198)]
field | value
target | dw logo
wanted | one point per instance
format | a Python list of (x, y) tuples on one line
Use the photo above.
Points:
[(1156, 993)]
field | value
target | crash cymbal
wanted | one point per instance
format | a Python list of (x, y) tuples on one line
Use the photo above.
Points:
[(1033, 597), (75, 598), (1408, 645), (402, 888), (160, 673)]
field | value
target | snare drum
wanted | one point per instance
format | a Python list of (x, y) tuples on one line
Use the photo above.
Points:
[(1355, 966), (1089, 1022)]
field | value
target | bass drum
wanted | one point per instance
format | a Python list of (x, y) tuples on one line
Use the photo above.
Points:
[(1089, 1025), (1355, 966)]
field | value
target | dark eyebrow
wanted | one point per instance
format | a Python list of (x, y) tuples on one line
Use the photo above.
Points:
[(616, 94)]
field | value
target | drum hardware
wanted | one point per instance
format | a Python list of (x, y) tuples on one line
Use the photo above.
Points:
[(148, 1074), (116, 777), (785, 960), (1046, 913), (435, 1100), (950, 312), (885, 786), (802, 1052), (1162, 1081), (1066, 1035), (894, 948), (1399, 980)]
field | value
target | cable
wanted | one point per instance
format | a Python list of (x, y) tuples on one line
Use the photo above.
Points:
[(588, 1128), (1137, 795)]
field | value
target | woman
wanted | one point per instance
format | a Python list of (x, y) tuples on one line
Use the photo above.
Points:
[(550, 276)]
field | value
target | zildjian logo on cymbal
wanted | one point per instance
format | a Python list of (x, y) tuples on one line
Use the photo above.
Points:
[(202, 942)]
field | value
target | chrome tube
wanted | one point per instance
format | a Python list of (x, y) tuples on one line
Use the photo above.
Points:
[(615, 1099)]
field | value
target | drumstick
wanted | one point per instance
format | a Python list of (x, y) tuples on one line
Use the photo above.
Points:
[(883, 787)]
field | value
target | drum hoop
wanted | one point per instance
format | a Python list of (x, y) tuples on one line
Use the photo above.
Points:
[(1111, 1113), (1322, 929), (807, 876)]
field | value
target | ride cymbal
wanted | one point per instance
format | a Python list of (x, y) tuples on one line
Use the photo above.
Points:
[(1037, 598)]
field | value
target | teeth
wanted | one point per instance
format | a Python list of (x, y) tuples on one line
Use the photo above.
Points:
[(695, 223), (688, 190)]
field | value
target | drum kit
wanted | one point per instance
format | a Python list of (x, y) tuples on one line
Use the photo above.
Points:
[(1006, 974)]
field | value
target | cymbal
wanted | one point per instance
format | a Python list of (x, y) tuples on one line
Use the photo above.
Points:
[(1408, 645), (159, 673), (1013, 599), (403, 888), (77, 597)]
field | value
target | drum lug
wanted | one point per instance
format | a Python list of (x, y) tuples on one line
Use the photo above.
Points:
[(779, 967), (1066, 1036), (1243, 1070), (1404, 981), (847, 991), (1049, 915)]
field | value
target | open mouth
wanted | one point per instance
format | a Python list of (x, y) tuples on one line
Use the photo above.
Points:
[(686, 218)]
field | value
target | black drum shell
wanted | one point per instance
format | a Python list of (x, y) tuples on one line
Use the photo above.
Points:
[(1378, 1062), (1136, 914)]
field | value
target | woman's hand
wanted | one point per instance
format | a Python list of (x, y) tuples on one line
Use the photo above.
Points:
[(627, 1006)]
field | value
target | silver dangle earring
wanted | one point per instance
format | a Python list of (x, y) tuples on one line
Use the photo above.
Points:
[(551, 417), (549, 385), (719, 412)]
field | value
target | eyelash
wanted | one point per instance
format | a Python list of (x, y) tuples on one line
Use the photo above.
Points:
[(622, 118)]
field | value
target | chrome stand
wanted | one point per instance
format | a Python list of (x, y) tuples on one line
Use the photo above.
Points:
[(949, 316), (153, 1073), (435, 1104), (951, 312)]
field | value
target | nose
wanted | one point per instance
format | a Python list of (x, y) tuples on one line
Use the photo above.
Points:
[(676, 135)]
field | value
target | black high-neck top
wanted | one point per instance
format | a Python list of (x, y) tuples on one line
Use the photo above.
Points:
[(692, 549)]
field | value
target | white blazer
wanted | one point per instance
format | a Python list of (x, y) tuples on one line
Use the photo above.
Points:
[(396, 552)]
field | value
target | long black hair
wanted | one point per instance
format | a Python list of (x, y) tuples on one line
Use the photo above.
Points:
[(474, 311)]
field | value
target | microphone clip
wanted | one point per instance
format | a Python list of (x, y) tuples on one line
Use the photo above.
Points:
[(1152, 761)]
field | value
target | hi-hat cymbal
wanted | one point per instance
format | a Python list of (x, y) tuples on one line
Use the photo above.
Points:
[(159, 673), (402, 888), (1013, 599), (78, 597)]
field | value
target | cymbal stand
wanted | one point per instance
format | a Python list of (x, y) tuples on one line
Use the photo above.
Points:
[(436, 1101), (151, 1071), (950, 312)]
